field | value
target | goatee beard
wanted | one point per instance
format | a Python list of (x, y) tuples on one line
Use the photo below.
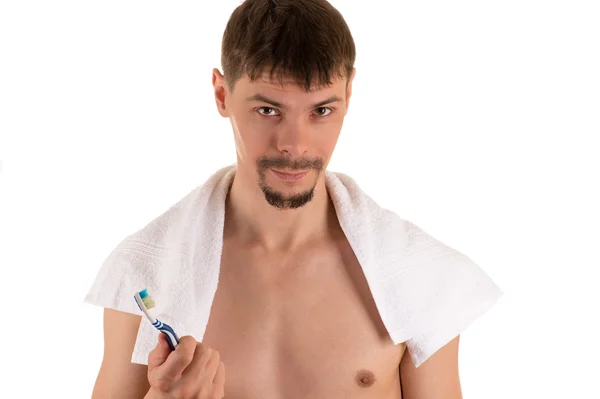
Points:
[(277, 199)]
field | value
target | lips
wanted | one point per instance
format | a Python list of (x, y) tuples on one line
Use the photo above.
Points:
[(290, 173), (289, 176)]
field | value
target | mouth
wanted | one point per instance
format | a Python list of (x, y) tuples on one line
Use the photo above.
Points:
[(290, 176)]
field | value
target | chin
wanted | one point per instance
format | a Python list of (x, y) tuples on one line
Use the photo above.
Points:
[(282, 201), (283, 196)]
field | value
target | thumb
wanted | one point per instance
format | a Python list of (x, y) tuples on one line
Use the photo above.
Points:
[(160, 353)]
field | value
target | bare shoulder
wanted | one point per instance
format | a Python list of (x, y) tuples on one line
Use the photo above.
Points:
[(118, 377), (437, 377)]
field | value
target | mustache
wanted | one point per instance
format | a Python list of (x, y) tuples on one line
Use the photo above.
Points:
[(264, 162)]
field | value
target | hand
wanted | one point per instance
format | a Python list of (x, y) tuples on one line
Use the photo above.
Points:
[(192, 371)]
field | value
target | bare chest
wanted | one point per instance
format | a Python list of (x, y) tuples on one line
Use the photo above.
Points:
[(300, 326)]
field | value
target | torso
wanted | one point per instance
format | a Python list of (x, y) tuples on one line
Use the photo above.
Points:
[(300, 325)]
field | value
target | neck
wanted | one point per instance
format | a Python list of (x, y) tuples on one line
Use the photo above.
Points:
[(251, 219)]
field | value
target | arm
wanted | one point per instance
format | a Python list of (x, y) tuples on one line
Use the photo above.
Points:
[(436, 378), (118, 377)]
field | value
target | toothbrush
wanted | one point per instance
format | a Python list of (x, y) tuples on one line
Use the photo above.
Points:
[(145, 303)]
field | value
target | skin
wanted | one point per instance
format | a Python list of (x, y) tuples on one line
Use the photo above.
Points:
[(293, 137), (292, 316)]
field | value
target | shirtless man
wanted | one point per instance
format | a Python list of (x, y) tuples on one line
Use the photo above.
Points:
[(289, 280)]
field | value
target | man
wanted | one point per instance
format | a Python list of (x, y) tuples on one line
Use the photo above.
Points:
[(294, 314)]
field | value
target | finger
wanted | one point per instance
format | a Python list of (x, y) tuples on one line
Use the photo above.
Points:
[(197, 366), (178, 359), (219, 381), (212, 366), (160, 353)]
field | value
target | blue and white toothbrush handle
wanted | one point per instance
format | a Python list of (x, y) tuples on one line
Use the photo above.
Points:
[(166, 329)]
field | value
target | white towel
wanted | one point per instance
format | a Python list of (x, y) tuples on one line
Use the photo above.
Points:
[(425, 291)]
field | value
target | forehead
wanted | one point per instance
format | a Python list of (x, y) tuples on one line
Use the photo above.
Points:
[(286, 85)]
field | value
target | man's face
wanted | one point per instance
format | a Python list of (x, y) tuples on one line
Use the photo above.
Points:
[(283, 129)]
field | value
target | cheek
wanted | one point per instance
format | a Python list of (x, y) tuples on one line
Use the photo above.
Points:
[(326, 139), (253, 137)]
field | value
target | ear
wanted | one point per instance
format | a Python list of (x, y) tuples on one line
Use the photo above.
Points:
[(349, 89), (218, 82)]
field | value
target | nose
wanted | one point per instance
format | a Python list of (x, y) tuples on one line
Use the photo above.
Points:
[(294, 139)]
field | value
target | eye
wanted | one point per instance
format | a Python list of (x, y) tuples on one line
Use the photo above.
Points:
[(324, 111), (268, 111)]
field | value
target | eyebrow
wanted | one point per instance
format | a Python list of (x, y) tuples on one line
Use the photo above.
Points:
[(261, 98)]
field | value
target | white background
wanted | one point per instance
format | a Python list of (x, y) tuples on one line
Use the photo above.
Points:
[(476, 120)]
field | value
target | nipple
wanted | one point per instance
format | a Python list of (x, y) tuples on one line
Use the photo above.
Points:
[(365, 378)]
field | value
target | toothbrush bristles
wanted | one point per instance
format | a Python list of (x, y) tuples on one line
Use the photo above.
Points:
[(147, 299), (148, 302)]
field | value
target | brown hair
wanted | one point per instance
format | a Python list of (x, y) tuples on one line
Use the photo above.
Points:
[(307, 41)]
